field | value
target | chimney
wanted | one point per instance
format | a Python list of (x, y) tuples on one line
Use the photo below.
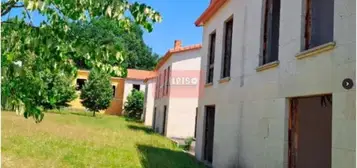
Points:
[(177, 44)]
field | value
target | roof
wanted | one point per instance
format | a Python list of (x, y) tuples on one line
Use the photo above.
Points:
[(148, 78), (210, 11), (139, 74), (85, 72), (176, 50)]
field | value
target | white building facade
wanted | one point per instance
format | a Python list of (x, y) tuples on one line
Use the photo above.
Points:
[(175, 96), (135, 80), (278, 84)]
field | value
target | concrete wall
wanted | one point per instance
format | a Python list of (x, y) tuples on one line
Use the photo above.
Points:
[(181, 111), (128, 86), (159, 103), (149, 102), (252, 108)]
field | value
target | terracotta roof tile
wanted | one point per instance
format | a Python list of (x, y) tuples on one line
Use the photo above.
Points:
[(139, 74)]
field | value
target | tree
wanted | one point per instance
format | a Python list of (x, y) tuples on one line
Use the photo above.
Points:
[(50, 43), (97, 93), (137, 54), (134, 105), (60, 91)]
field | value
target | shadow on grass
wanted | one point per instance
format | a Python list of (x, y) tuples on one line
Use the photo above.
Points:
[(132, 120), (79, 113), (154, 157), (141, 128)]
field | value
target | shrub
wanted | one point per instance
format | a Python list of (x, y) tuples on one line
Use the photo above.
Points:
[(188, 142), (97, 92), (134, 105)]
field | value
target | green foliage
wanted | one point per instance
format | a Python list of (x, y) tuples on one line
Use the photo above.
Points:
[(134, 105), (60, 91), (136, 54), (33, 84), (52, 46), (187, 145), (97, 92), (108, 141)]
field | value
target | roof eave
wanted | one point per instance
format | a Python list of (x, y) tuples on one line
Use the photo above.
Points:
[(209, 12)]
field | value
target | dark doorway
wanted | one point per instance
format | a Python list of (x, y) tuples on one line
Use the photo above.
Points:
[(113, 90), (154, 120), (164, 121), (310, 131), (196, 122), (209, 133)]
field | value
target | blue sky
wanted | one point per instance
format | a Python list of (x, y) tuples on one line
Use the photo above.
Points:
[(178, 23)]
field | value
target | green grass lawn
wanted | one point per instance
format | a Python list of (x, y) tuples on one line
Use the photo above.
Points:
[(69, 140)]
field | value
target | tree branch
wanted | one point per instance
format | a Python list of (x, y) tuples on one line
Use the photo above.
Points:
[(9, 5), (28, 15)]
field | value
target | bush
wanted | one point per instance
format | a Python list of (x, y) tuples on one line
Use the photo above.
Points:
[(97, 92), (134, 105), (188, 142)]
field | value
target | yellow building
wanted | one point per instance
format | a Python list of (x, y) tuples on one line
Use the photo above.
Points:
[(118, 84)]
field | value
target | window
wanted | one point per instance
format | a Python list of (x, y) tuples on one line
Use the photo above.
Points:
[(168, 80), (136, 87), (160, 84), (318, 27), (80, 83), (113, 90), (270, 37), (164, 82), (211, 53), (157, 87), (227, 52)]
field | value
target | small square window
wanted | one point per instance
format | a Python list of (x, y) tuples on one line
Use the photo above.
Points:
[(80, 83), (136, 87)]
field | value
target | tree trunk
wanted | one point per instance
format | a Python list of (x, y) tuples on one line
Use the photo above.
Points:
[(93, 113)]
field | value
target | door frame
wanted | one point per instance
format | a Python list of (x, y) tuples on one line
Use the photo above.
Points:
[(164, 123), (204, 133), (292, 121), (154, 119)]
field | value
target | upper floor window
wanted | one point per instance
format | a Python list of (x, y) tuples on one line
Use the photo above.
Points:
[(270, 36), (157, 87), (164, 82), (318, 27), (160, 85), (168, 79), (227, 52), (210, 62)]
